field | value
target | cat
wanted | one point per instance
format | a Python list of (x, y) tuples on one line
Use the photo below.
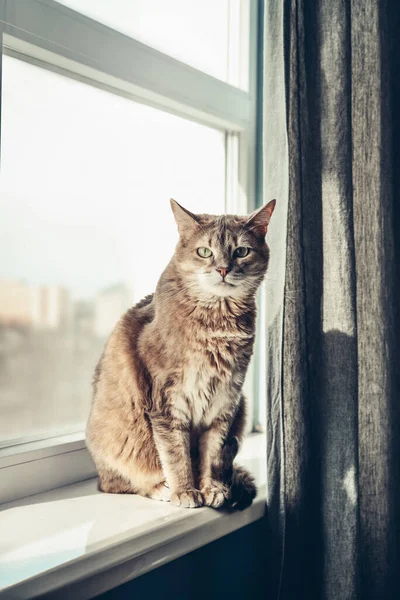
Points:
[(168, 412)]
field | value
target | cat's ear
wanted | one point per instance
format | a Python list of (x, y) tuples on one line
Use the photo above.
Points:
[(259, 220), (186, 221)]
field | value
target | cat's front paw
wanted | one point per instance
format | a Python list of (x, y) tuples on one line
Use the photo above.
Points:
[(215, 495), (187, 499), (161, 492)]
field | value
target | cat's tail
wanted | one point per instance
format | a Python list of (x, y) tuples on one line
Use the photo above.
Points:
[(243, 490)]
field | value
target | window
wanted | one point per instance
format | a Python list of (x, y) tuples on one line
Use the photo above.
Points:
[(98, 130), (201, 34), (85, 232)]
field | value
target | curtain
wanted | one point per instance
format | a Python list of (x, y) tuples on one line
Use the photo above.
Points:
[(331, 107)]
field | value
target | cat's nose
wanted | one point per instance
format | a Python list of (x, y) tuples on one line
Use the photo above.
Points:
[(223, 271)]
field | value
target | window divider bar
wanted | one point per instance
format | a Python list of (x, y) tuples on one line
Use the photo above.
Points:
[(67, 39)]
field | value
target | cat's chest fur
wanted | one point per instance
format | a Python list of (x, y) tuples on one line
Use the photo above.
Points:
[(203, 387), (206, 377), (197, 364)]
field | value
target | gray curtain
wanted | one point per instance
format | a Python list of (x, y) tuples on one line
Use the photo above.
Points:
[(331, 156)]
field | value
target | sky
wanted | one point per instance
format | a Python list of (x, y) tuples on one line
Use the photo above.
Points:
[(85, 182)]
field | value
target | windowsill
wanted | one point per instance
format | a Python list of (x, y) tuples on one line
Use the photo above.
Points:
[(56, 539)]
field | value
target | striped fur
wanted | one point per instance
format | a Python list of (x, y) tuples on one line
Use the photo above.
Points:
[(168, 412)]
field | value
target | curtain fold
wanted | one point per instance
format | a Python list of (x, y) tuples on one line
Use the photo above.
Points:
[(333, 329)]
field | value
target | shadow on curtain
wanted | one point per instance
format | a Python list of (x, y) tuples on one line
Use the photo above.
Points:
[(333, 336)]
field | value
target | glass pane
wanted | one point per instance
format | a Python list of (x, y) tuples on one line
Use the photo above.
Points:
[(85, 230), (192, 31)]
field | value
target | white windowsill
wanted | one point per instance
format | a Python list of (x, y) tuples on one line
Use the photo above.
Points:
[(91, 542)]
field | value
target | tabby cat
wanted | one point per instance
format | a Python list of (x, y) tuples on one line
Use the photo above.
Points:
[(168, 411)]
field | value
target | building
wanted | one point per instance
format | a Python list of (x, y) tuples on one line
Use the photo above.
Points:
[(51, 307), (40, 307), (15, 304)]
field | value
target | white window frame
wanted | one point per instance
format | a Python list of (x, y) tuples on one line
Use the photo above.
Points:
[(49, 34)]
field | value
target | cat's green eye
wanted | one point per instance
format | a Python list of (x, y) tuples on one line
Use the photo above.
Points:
[(242, 251), (204, 252)]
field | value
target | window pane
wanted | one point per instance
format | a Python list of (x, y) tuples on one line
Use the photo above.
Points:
[(85, 230), (194, 32)]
